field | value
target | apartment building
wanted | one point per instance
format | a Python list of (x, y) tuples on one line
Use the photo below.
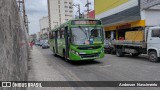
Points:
[(59, 11), (44, 26)]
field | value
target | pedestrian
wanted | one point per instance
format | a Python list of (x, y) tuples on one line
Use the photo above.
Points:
[(31, 44)]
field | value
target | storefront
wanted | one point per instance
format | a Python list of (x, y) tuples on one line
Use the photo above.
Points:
[(118, 16)]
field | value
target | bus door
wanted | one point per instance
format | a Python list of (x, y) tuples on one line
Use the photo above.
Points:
[(56, 42), (67, 40)]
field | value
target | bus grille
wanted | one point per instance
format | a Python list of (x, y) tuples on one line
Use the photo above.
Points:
[(89, 47), (89, 55)]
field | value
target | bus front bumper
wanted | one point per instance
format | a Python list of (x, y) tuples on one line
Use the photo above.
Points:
[(81, 57)]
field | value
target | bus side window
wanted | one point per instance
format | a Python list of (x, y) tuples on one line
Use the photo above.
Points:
[(62, 33), (51, 35), (59, 34)]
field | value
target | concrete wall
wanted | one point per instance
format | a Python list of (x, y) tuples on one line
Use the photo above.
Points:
[(13, 44), (152, 18)]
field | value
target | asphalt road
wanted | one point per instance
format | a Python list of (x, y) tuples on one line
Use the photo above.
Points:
[(110, 68)]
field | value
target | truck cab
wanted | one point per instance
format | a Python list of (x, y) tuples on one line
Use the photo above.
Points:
[(153, 43)]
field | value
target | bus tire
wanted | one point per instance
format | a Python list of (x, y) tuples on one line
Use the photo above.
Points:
[(153, 56), (119, 53)]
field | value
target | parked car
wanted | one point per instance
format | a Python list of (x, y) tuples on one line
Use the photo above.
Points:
[(41, 42), (45, 44), (37, 43)]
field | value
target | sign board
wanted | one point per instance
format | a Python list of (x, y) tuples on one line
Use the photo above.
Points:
[(86, 22)]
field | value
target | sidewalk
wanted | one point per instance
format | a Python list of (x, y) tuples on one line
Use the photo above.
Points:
[(40, 71)]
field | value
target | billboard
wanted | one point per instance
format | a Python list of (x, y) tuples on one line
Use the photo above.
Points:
[(105, 5), (114, 12)]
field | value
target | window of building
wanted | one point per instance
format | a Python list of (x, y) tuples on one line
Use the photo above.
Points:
[(66, 10), (66, 6), (70, 2), (70, 7), (70, 11)]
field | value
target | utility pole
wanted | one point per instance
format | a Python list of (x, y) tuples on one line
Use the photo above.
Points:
[(49, 16), (22, 10), (26, 24), (79, 9), (87, 5)]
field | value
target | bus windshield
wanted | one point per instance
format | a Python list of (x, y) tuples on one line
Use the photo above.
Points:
[(86, 35)]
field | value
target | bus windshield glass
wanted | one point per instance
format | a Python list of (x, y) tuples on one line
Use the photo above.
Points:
[(86, 35)]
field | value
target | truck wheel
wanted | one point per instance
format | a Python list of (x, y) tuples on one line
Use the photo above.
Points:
[(153, 56), (135, 54), (119, 53)]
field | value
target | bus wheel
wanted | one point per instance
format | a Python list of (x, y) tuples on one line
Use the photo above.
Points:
[(153, 56)]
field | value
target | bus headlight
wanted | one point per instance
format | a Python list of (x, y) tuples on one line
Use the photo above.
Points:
[(77, 53), (73, 51)]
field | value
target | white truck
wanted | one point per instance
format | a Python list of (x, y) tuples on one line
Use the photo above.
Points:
[(150, 45)]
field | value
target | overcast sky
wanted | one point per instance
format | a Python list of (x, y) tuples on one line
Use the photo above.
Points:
[(36, 9)]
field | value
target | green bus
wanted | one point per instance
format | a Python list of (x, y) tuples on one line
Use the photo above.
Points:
[(79, 39)]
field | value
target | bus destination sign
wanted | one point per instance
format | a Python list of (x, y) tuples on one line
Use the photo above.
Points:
[(86, 22)]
